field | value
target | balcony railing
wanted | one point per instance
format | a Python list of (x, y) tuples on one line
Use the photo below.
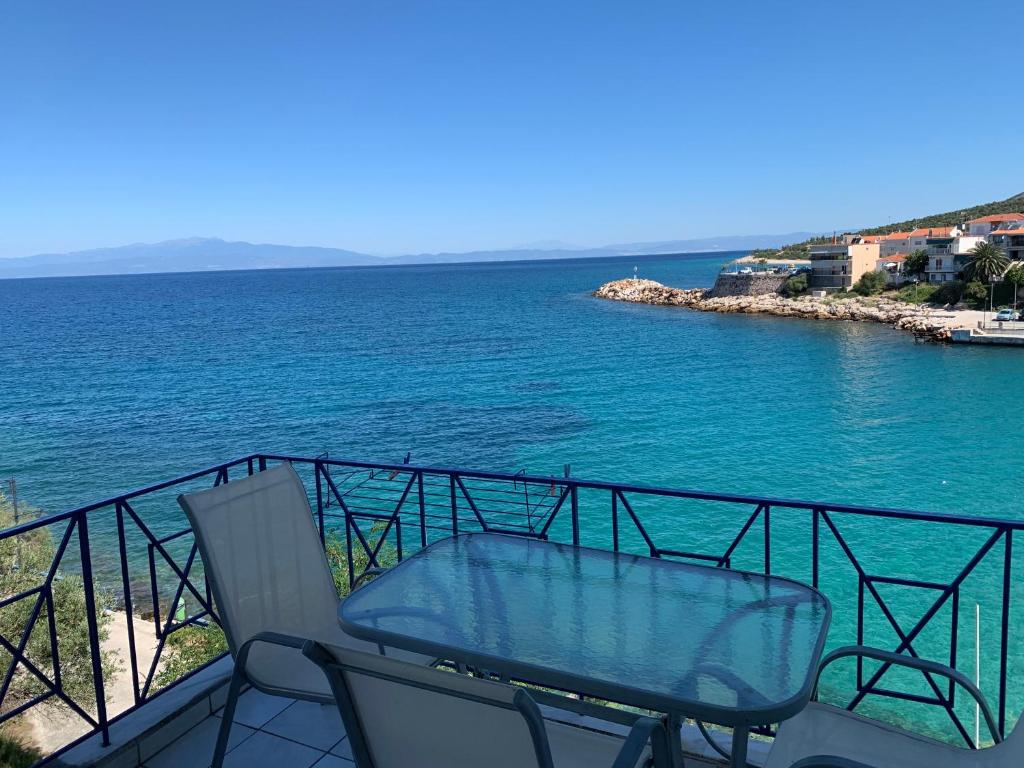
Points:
[(906, 581)]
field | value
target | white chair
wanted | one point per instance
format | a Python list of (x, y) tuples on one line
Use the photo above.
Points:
[(271, 585), (399, 715), (823, 736)]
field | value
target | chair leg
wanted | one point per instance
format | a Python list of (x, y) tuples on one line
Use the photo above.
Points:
[(237, 678)]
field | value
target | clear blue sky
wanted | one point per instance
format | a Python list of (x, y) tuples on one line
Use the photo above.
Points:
[(422, 126)]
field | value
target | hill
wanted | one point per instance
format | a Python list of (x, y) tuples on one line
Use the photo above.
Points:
[(798, 250)]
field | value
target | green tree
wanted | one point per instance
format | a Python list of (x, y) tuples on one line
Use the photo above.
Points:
[(987, 262), (870, 283), (1015, 276), (916, 263)]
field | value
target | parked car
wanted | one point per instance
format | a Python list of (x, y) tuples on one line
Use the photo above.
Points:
[(1004, 315)]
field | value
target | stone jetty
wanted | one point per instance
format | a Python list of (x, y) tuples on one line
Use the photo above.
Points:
[(922, 321)]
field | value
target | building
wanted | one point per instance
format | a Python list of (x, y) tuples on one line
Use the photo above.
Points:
[(987, 225), (837, 266), (1011, 239), (892, 265), (918, 239), (895, 242), (947, 256)]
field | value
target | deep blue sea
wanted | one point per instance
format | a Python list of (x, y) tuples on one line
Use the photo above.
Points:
[(109, 383)]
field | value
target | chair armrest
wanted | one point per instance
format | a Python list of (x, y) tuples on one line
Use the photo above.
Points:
[(645, 730), (923, 665), (273, 638), (827, 761)]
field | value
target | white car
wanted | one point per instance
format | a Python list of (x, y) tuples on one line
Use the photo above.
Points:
[(1004, 315)]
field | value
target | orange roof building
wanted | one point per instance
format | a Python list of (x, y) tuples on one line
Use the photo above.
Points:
[(998, 218)]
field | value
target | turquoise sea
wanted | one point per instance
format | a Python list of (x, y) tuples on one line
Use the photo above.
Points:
[(110, 383)]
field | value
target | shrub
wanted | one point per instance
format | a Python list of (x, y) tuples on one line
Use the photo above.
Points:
[(948, 293), (24, 562), (795, 285), (916, 263), (917, 294), (870, 284), (976, 294)]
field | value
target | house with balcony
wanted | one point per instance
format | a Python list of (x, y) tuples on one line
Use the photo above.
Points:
[(1011, 239), (837, 266), (918, 238), (987, 225), (895, 242), (947, 256), (892, 265)]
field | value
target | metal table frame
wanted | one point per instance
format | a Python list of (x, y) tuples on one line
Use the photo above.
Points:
[(741, 720)]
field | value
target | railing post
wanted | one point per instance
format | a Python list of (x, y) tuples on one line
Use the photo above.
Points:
[(615, 521), (94, 633), (1005, 629), (128, 607), (319, 502), (767, 512), (814, 547), (455, 505), (423, 509)]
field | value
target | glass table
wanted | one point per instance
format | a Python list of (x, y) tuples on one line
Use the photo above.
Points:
[(727, 647)]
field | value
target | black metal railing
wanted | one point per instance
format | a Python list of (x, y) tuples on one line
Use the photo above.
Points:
[(897, 579)]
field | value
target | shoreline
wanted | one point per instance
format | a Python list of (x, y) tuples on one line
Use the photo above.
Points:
[(924, 322)]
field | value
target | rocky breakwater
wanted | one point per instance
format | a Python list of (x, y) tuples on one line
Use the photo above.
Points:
[(909, 317)]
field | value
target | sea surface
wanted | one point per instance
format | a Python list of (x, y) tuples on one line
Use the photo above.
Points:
[(109, 383)]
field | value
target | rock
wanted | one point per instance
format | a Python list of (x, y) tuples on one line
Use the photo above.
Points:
[(910, 317)]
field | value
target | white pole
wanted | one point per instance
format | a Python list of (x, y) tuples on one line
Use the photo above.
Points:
[(977, 670)]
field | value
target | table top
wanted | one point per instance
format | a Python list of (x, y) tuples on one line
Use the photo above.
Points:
[(729, 647)]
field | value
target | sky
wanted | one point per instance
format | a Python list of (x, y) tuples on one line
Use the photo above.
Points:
[(406, 127)]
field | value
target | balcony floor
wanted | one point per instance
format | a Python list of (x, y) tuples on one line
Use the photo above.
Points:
[(270, 732)]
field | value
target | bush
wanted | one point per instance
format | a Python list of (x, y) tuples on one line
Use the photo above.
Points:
[(870, 284), (948, 293), (795, 285), (15, 754), (976, 294), (917, 294), (24, 562)]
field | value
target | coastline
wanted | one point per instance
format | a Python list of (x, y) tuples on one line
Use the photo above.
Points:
[(927, 323)]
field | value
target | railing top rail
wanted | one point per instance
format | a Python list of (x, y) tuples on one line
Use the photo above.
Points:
[(937, 517), (681, 493)]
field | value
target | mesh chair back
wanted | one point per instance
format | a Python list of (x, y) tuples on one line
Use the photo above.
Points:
[(399, 714), (267, 569)]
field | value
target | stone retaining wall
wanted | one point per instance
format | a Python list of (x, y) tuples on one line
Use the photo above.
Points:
[(754, 284)]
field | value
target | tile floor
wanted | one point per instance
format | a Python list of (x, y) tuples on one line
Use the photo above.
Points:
[(268, 731)]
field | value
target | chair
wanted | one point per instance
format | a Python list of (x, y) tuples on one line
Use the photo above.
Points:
[(398, 715), (271, 585), (825, 736)]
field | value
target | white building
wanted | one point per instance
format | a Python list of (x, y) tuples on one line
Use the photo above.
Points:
[(895, 242), (986, 225), (918, 239), (948, 255)]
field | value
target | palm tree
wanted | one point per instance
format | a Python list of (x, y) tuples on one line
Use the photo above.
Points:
[(987, 262)]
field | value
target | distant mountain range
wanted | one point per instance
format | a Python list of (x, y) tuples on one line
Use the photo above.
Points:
[(209, 254)]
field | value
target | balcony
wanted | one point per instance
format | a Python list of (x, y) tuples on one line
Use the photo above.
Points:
[(917, 583)]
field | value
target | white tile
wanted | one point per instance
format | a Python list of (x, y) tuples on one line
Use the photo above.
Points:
[(315, 725), (195, 748), (256, 708), (262, 750), (330, 761), (343, 749)]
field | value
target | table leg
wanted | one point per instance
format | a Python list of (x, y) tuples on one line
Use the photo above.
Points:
[(675, 739), (740, 736)]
